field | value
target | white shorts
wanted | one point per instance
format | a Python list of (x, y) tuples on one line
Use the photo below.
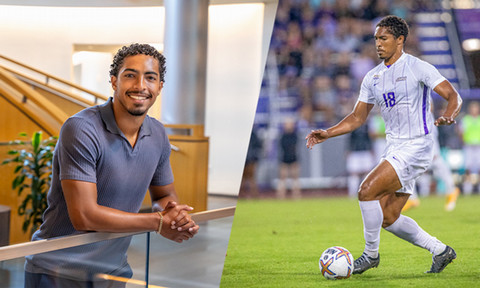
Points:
[(410, 158)]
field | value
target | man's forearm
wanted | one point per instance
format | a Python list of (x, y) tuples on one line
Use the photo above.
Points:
[(453, 107), (160, 204), (161, 195), (347, 125)]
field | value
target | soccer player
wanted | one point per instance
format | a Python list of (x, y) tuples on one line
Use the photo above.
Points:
[(401, 87)]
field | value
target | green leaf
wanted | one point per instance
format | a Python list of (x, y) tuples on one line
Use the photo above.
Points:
[(36, 140), (18, 168), (26, 223), (21, 210), (18, 181), (34, 162)]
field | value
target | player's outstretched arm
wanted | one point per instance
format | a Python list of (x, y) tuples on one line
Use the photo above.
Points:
[(351, 122), (448, 92)]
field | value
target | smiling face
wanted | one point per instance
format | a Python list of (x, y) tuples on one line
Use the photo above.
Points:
[(137, 85), (388, 47)]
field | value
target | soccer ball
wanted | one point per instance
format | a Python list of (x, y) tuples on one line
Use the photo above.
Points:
[(336, 263)]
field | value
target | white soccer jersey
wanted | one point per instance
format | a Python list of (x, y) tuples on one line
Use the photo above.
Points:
[(403, 93)]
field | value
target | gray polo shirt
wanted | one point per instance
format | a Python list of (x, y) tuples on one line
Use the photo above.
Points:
[(92, 148)]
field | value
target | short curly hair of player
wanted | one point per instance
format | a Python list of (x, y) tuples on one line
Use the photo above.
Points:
[(136, 49), (395, 25)]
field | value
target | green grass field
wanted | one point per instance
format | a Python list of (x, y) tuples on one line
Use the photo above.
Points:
[(278, 244)]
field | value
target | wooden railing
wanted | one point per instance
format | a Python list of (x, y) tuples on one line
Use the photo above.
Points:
[(17, 93), (48, 79), (32, 95), (55, 90)]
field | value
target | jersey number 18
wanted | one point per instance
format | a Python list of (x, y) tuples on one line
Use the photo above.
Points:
[(389, 99)]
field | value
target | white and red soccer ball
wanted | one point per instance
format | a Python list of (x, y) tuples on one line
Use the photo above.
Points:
[(336, 263)]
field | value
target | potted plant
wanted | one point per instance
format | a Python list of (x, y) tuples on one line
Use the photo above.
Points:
[(33, 173)]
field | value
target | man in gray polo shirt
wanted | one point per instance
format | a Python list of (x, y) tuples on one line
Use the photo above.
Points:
[(106, 158)]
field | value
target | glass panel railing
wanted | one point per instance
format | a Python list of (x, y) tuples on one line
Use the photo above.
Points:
[(11, 273), (89, 264), (195, 263), (153, 259)]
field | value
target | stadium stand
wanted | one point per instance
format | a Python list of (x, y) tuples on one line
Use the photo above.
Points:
[(320, 51)]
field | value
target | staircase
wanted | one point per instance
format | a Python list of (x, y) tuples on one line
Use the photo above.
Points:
[(440, 46), (33, 100)]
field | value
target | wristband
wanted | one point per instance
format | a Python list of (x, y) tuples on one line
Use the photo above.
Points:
[(161, 223)]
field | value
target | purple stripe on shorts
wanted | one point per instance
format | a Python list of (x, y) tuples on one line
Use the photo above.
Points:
[(424, 109)]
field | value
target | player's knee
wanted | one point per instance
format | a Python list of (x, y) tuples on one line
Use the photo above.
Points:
[(365, 192), (387, 221), (389, 218)]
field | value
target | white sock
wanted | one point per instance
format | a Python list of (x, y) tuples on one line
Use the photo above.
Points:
[(372, 216), (407, 229)]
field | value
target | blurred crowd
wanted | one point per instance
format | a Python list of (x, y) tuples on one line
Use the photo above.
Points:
[(322, 50)]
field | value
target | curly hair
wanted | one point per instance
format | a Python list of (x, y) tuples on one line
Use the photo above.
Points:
[(395, 25), (136, 49)]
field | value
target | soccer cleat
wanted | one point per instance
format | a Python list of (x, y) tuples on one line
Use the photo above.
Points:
[(364, 262), (442, 260), (452, 199)]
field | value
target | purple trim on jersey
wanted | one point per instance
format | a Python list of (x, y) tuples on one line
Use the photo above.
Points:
[(424, 109)]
